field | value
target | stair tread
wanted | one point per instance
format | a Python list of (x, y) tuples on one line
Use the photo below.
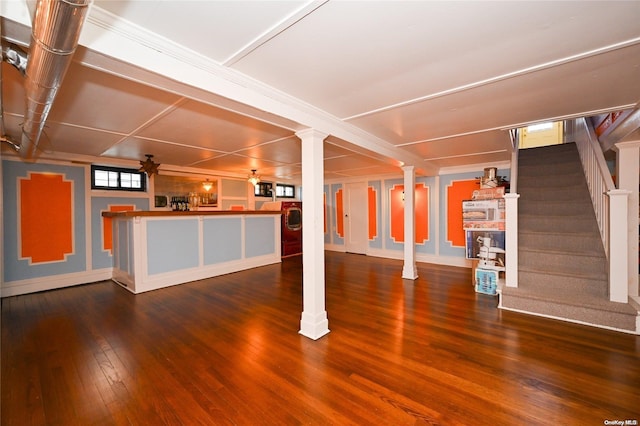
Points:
[(590, 276), (564, 232), (554, 232), (585, 253), (554, 202), (582, 300), (548, 216)]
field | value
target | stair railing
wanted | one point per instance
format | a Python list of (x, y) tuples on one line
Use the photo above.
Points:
[(597, 173), (610, 206), (513, 179), (511, 217)]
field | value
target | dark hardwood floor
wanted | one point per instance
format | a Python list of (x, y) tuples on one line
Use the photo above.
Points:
[(226, 351)]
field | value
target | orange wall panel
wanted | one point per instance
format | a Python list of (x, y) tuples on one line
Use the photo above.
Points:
[(397, 213), (339, 214), (46, 217), (373, 223), (457, 192), (107, 231), (324, 211), (421, 213)]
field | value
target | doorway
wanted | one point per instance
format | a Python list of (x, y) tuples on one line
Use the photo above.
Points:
[(356, 217)]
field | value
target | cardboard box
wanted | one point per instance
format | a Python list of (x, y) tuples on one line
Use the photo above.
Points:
[(486, 281), (483, 214)]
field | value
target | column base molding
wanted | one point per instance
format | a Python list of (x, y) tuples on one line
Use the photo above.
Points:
[(314, 326)]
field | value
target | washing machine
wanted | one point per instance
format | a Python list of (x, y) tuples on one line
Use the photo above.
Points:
[(291, 226)]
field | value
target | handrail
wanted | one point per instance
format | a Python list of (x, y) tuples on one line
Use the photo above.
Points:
[(513, 179), (598, 177), (511, 216)]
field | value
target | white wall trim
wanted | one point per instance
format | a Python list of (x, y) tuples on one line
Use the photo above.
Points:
[(422, 258), (32, 285)]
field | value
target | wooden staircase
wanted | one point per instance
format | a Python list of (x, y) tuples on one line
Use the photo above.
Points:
[(563, 268)]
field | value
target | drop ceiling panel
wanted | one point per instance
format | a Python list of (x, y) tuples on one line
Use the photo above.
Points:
[(179, 155), (374, 171), (577, 87), (496, 140), (482, 160), (284, 171), (13, 99), (288, 150), (201, 125), (236, 164), (102, 101), (414, 49), (75, 140), (335, 147), (332, 150), (350, 162), (216, 29)]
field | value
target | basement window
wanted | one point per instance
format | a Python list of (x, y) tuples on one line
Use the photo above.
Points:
[(285, 191), (118, 179), (263, 189)]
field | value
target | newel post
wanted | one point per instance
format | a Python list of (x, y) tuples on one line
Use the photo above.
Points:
[(511, 239), (618, 242)]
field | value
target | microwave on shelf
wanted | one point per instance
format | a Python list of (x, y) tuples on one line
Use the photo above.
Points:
[(488, 214)]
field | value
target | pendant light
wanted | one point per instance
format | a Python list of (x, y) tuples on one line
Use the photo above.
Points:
[(254, 178), (149, 166), (207, 185)]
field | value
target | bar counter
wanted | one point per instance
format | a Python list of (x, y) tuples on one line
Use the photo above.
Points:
[(156, 249)]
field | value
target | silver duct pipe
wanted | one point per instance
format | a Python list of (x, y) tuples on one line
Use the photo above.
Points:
[(15, 56), (54, 38), (18, 59)]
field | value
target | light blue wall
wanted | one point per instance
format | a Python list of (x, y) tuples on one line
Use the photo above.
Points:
[(387, 185), (227, 230), (172, 245), (331, 200), (376, 242), (234, 188), (101, 258), (429, 246), (123, 258), (259, 236), (328, 213), (16, 269)]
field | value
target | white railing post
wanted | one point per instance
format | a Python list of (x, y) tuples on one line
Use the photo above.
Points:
[(627, 166), (511, 239), (597, 174), (618, 234)]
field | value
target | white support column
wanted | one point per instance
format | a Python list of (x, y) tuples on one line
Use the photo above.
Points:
[(511, 239), (628, 164), (409, 270), (314, 323)]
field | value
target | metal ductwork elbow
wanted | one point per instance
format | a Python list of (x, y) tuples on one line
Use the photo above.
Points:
[(54, 38)]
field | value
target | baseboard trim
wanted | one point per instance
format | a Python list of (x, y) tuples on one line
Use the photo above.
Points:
[(52, 282)]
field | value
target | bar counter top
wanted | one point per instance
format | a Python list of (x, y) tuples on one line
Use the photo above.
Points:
[(151, 213)]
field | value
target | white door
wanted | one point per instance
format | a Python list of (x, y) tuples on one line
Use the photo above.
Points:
[(356, 217)]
